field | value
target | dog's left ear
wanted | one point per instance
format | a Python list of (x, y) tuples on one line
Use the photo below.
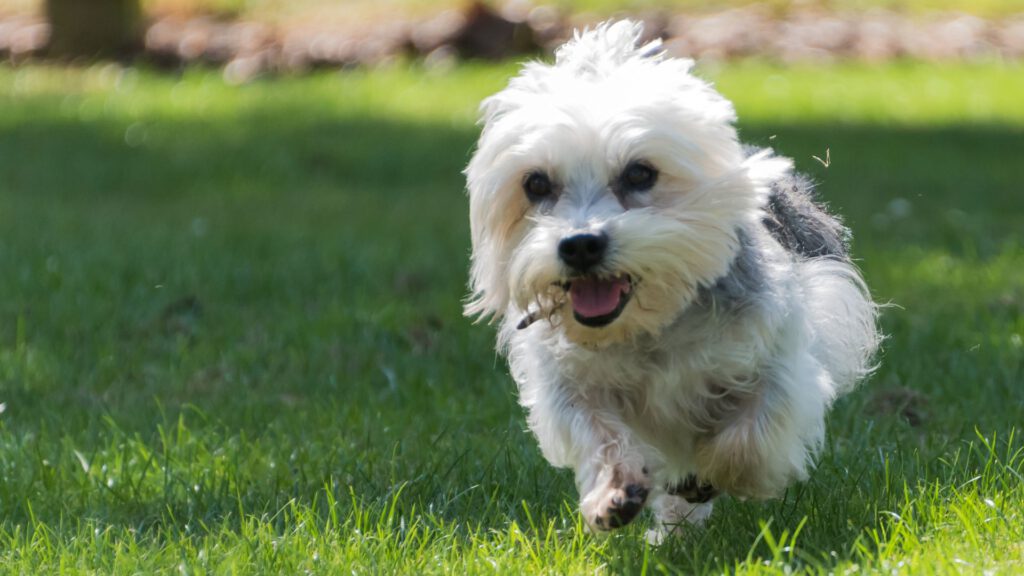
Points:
[(764, 168)]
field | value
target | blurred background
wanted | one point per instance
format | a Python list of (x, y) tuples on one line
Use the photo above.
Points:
[(251, 37), (233, 249)]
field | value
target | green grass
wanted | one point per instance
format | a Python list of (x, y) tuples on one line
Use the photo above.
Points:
[(231, 342)]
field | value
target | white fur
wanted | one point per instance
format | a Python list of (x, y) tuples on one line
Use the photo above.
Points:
[(671, 387)]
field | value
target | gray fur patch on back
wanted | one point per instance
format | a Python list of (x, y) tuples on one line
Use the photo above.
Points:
[(801, 224), (797, 222), (741, 286)]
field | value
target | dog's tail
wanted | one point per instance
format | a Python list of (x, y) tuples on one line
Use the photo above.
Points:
[(844, 318)]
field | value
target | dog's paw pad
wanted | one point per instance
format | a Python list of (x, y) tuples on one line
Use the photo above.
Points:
[(623, 505)]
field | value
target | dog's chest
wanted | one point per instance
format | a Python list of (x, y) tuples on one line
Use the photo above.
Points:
[(668, 387), (639, 384), (658, 397)]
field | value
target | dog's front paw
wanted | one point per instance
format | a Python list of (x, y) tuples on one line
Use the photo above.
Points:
[(609, 507), (693, 491)]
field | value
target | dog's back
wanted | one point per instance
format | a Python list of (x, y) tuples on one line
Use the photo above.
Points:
[(801, 224), (839, 302)]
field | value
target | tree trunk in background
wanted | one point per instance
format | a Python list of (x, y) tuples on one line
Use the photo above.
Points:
[(94, 28)]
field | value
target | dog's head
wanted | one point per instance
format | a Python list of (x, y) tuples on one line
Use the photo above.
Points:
[(606, 189)]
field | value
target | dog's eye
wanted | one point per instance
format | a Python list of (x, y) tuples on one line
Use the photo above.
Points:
[(537, 186), (638, 177)]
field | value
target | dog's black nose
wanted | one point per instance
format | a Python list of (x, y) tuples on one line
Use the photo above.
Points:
[(583, 251)]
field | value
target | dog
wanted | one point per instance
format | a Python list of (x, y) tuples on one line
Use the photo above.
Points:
[(677, 309)]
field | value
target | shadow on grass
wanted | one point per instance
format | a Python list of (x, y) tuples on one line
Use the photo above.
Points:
[(323, 262), (285, 153)]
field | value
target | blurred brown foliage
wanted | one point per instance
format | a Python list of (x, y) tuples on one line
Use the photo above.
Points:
[(482, 31)]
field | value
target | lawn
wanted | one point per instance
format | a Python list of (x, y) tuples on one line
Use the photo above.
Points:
[(231, 339)]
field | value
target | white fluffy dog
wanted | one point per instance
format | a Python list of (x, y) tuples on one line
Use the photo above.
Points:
[(677, 311)]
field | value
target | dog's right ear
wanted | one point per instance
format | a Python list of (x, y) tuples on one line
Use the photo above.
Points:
[(494, 209), (488, 296), (489, 290)]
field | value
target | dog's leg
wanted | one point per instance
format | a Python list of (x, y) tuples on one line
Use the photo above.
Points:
[(671, 512), (607, 459), (770, 439), (618, 491)]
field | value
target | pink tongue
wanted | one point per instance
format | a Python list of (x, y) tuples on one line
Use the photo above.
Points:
[(591, 297)]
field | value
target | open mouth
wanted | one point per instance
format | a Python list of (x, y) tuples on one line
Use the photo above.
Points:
[(597, 301)]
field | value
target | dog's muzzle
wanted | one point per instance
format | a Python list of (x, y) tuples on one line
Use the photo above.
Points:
[(583, 251), (597, 301)]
